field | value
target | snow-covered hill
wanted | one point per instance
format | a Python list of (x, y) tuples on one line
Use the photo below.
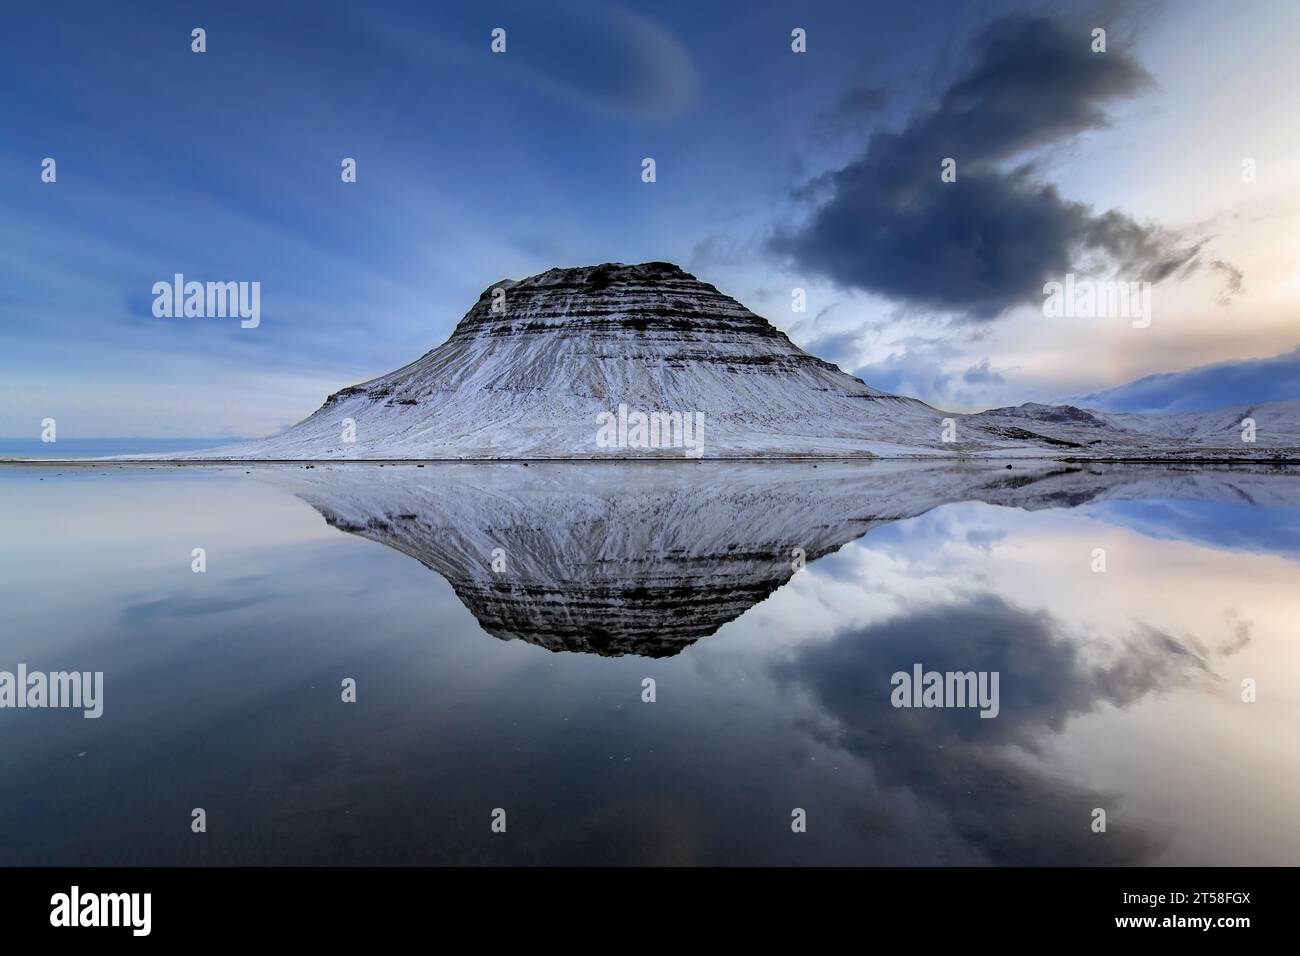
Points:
[(1217, 433), (561, 364)]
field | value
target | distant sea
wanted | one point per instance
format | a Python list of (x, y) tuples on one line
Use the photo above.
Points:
[(102, 447)]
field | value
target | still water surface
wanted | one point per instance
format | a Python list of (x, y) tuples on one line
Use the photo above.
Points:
[(518, 683)]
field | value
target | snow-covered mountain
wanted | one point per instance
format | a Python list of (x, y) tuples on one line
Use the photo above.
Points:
[(646, 361), (1175, 434)]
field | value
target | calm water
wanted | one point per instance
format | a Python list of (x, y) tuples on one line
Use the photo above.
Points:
[(104, 447), (520, 687)]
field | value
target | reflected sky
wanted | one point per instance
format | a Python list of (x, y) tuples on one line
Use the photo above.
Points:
[(480, 689)]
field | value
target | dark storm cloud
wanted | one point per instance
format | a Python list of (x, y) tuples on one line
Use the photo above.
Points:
[(888, 224), (1004, 807)]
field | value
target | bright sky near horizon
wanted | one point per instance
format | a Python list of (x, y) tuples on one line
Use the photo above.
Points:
[(775, 170)]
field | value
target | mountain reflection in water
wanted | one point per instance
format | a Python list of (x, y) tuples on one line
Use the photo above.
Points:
[(1119, 691), (647, 559)]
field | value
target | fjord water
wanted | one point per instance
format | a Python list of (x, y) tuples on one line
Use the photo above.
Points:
[(519, 684), (82, 448)]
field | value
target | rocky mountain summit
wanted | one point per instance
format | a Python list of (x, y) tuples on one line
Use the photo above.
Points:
[(646, 361)]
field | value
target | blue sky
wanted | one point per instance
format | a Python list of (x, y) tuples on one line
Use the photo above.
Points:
[(771, 168)]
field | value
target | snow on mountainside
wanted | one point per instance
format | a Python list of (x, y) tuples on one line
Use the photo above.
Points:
[(532, 367), (1180, 434)]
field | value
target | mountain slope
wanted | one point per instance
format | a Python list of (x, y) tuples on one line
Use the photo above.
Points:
[(532, 367), (1214, 433)]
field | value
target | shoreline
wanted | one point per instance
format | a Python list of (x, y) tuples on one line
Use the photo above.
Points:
[(790, 459)]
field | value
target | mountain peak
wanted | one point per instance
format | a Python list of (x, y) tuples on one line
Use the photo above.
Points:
[(648, 298), (537, 364), (596, 276)]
